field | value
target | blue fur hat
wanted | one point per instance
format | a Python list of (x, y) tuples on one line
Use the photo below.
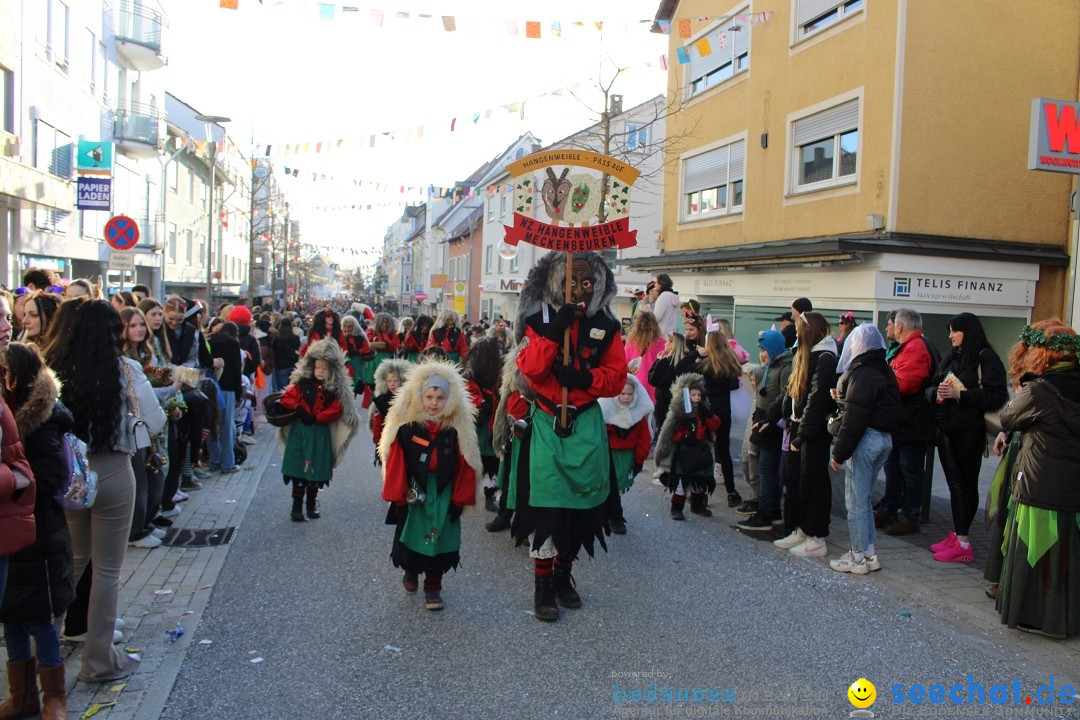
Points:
[(772, 342)]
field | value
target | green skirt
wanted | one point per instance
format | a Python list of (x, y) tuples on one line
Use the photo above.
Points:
[(357, 365), (372, 365), (412, 357), (1040, 573), (309, 454), (623, 463), (483, 439), (568, 472), (426, 538), (453, 356)]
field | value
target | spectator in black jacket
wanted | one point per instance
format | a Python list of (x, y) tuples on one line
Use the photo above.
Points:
[(869, 398), (249, 344), (678, 357), (721, 369), (286, 353), (225, 346)]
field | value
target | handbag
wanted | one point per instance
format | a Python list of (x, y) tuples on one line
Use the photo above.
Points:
[(80, 483), (136, 426), (834, 421)]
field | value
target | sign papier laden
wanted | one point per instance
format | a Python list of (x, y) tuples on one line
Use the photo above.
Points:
[(94, 193)]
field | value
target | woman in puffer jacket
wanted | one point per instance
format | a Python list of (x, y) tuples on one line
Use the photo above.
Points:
[(17, 491), (40, 580), (869, 397), (102, 389)]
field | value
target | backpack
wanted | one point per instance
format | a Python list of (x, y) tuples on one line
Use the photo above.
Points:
[(80, 485)]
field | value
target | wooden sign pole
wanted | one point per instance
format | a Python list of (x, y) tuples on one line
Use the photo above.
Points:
[(566, 336)]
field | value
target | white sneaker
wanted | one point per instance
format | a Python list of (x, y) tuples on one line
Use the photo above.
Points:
[(848, 564), (180, 496), (795, 538), (119, 625), (811, 547), (169, 513), (147, 542), (873, 563), (117, 637), (160, 535)]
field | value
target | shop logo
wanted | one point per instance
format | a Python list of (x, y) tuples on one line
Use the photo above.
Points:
[(901, 287), (862, 695)]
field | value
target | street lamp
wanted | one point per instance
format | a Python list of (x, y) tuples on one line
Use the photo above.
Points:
[(209, 120)]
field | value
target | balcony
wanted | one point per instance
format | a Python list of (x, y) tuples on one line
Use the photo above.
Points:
[(138, 34), (139, 131)]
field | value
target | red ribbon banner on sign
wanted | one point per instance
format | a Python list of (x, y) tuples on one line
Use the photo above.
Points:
[(566, 238)]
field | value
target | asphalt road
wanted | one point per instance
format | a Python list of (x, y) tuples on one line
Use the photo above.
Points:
[(692, 605)]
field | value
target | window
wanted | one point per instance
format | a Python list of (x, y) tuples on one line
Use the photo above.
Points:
[(814, 15), (172, 176), (202, 250), (91, 56), (488, 251), (191, 185), (188, 246), (52, 150), (490, 208), (203, 195), (826, 147), (7, 100), (713, 182), (171, 242), (502, 202), (730, 54), (514, 260), (57, 37), (637, 137), (101, 72)]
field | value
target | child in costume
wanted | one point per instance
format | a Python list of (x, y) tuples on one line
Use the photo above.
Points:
[(684, 447), (326, 420), (514, 399), (429, 475), (389, 378), (447, 334), (630, 439), (563, 480), (417, 338), (481, 369)]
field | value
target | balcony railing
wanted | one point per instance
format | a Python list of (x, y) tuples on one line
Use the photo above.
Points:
[(138, 33), (138, 129)]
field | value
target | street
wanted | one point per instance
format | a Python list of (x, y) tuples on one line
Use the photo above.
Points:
[(311, 619)]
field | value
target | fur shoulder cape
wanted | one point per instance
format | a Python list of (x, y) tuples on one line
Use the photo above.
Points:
[(621, 416), (512, 380), (460, 413), (676, 415), (39, 404), (546, 282), (342, 430)]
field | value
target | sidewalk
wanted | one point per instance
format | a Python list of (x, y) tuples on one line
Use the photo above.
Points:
[(184, 577)]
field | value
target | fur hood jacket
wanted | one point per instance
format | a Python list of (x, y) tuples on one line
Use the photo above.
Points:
[(546, 283), (621, 416), (677, 416), (338, 385)]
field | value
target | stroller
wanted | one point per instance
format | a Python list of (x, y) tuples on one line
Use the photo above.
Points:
[(244, 417)]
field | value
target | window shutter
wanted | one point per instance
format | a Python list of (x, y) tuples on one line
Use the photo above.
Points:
[(735, 163), (740, 40), (707, 170), (811, 9), (826, 124)]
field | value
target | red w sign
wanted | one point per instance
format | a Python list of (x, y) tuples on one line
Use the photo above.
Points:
[(1054, 144)]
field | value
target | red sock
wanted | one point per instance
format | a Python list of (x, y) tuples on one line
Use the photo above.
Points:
[(297, 491), (564, 563), (542, 566), (677, 501), (432, 581)]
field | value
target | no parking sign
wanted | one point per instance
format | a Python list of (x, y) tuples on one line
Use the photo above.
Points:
[(121, 232)]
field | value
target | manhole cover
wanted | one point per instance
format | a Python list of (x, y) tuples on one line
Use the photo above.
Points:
[(198, 538)]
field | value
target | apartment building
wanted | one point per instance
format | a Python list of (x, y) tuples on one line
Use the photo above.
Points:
[(868, 154)]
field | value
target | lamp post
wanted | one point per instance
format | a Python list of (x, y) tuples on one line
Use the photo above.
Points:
[(207, 121)]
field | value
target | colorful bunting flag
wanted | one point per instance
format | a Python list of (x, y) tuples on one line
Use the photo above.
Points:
[(684, 57), (229, 4), (663, 62), (377, 18), (684, 28), (665, 26), (512, 27), (448, 23), (556, 29), (532, 29), (703, 47), (326, 11)]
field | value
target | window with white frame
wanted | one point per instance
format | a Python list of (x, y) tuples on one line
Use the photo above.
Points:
[(712, 182), (825, 147), (514, 260), (52, 150), (172, 176), (189, 245), (171, 242), (202, 250), (91, 55), (813, 15), (502, 201), (57, 37), (637, 137), (488, 252), (191, 185), (7, 100), (730, 43), (490, 208)]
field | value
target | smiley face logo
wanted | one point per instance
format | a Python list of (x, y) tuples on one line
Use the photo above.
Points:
[(862, 693)]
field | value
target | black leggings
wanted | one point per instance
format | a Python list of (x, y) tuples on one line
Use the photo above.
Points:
[(961, 454), (723, 454), (808, 500)]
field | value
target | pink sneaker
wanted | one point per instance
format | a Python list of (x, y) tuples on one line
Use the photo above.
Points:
[(945, 544), (956, 553)]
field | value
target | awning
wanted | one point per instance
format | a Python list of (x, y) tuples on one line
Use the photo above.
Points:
[(843, 249)]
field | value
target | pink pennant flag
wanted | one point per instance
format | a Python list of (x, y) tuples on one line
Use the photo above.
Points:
[(448, 23), (721, 40), (377, 18), (318, 147), (663, 61), (511, 27), (452, 124)]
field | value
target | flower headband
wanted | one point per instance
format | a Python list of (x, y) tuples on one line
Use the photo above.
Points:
[(1067, 343)]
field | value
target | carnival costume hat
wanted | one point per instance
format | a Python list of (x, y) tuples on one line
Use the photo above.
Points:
[(546, 283), (676, 415), (512, 380), (623, 416), (338, 384), (459, 413)]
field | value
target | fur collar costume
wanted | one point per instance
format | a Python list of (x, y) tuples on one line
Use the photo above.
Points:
[(676, 413), (338, 384), (512, 380), (621, 416), (459, 413), (39, 404), (400, 368), (546, 283)]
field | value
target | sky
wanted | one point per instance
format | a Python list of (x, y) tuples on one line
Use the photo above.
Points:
[(288, 74)]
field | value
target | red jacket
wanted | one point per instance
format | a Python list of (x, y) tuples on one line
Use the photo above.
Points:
[(517, 406), (324, 410), (538, 356), (706, 425), (17, 528), (395, 475), (477, 394), (357, 345), (315, 336), (912, 364), (414, 342), (637, 438), (390, 339), (459, 346)]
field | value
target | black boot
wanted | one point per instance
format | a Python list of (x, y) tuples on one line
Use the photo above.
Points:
[(734, 499), (677, 503), (564, 587), (544, 607), (313, 508), (489, 500), (501, 521), (617, 525), (297, 509), (698, 506)]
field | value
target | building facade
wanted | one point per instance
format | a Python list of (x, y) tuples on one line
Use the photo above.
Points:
[(868, 155)]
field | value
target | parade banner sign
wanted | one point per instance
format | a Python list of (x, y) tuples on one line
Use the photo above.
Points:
[(616, 233)]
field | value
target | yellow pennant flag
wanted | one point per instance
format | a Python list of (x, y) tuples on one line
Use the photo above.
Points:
[(703, 47), (229, 4)]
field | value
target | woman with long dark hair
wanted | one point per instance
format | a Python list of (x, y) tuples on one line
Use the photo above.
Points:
[(482, 369), (417, 338), (101, 389), (38, 312), (326, 323), (970, 382)]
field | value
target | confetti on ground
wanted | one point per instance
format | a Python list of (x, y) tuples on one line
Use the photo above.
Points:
[(905, 614), (206, 642), (391, 647), (96, 708), (117, 688), (130, 650), (163, 592), (227, 502), (175, 634), (253, 652), (206, 587), (256, 660), (187, 612)]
